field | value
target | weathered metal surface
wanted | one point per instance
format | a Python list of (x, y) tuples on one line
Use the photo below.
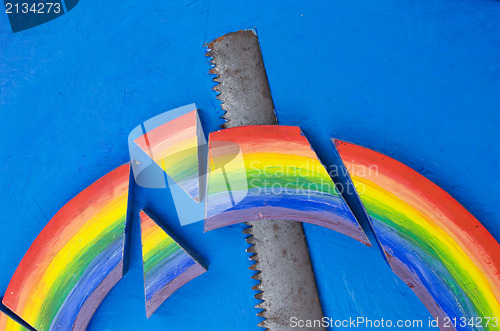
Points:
[(279, 247), (242, 79)]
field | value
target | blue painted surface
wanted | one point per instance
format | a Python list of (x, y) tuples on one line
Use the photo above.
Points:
[(416, 80)]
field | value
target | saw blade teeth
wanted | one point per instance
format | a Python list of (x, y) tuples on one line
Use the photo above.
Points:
[(257, 288), (259, 296), (257, 275), (251, 241), (255, 266), (216, 79), (263, 324), (251, 249)]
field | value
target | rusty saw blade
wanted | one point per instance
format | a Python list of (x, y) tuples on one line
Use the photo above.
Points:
[(280, 252)]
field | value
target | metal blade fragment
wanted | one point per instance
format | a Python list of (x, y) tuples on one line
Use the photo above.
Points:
[(287, 286)]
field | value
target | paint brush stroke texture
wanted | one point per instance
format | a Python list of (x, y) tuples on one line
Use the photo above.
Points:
[(173, 146), (271, 172), (75, 260), (167, 266), (431, 241), (8, 324)]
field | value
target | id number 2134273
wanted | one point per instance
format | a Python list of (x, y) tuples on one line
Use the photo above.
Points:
[(35, 8)]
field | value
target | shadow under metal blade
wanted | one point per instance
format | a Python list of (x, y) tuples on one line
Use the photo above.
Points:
[(287, 284)]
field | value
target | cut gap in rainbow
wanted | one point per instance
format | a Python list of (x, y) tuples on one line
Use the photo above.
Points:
[(175, 147), (431, 241), (75, 260), (271, 172), (167, 266)]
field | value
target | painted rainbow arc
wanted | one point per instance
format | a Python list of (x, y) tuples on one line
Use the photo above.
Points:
[(431, 242), (271, 172), (75, 260), (166, 265)]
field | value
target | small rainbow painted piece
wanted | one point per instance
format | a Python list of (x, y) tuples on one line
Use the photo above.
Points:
[(75, 260), (174, 147), (166, 265), (429, 239), (271, 172)]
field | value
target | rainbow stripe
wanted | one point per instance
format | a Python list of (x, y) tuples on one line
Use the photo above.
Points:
[(271, 172), (8, 324), (166, 265), (75, 260), (173, 146), (431, 242)]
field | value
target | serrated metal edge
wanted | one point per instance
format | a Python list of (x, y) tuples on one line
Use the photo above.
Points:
[(248, 231), (215, 79), (255, 267)]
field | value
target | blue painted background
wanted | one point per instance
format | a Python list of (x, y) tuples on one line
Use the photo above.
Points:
[(417, 80)]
